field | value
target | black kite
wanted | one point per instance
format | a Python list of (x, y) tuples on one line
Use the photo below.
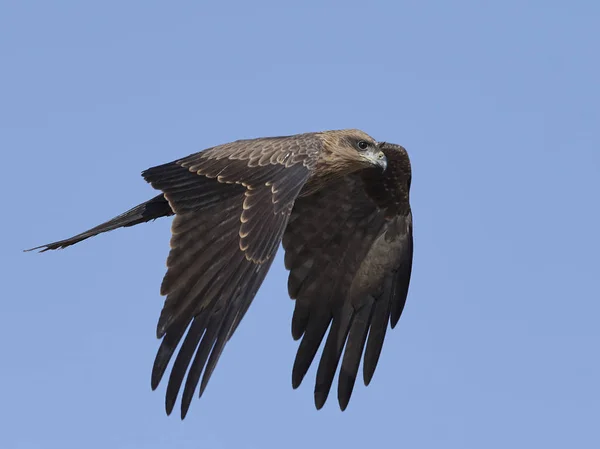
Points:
[(338, 201)]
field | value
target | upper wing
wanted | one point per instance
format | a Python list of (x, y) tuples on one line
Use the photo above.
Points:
[(231, 204), (349, 252)]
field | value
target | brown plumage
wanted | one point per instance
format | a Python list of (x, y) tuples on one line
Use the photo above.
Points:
[(338, 201)]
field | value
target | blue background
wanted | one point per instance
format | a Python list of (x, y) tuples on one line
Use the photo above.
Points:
[(498, 106)]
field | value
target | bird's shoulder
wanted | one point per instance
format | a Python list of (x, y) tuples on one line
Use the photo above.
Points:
[(260, 152)]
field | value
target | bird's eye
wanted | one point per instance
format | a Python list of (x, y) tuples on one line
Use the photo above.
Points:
[(363, 145)]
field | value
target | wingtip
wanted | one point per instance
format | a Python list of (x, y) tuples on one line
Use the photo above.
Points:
[(296, 383), (203, 385), (185, 406), (343, 402), (320, 399), (169, 405), (345, 388), (154, 380), (297, 377), (368, 376)]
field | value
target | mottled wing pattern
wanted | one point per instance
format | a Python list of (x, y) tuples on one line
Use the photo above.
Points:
[(232, 204), (349, 252)]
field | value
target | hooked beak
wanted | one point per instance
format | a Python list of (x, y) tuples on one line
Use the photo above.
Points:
[(380, 160)]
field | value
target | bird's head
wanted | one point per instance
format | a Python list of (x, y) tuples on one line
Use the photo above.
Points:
[(352, 149)]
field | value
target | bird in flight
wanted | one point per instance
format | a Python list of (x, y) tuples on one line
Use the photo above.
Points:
[(337, 201)]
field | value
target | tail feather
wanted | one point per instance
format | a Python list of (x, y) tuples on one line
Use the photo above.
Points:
[(155, 208)]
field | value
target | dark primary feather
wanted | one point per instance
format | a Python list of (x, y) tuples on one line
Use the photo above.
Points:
[(231, 208)]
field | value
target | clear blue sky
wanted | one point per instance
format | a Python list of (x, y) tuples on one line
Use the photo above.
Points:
[(498, 105)]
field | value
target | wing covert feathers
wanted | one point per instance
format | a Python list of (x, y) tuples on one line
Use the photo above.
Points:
[(231, 208)]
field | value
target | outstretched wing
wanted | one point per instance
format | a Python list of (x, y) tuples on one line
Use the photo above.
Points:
[(349, 252), (231, 204)]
